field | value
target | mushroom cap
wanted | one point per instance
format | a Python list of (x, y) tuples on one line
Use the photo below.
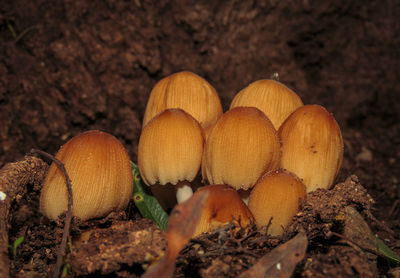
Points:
[(241, 146), (312, 146), (222, 206), (272, 97), (170, 148), (187, 91), (101, 177), (278, 195)]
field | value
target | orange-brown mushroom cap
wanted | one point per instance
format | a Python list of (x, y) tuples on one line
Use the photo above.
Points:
[(312, 146), (170, 148), (272, 97), (101, 177), (187, 91), (222, 206), (241, 146), (276, 195)]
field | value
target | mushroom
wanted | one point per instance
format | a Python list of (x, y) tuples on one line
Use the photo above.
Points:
[(223, 205), (242, 145), (272, 97), (100, 173), (276, 197), (169, 153), (312, 146), (187, 91)]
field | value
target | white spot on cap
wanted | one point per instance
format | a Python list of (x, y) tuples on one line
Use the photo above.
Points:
[(2, 196), (278, 266)]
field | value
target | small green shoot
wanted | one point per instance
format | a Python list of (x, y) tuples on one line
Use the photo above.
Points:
[(15, 245), (12, 30), (147, 204), (388, 253), (69, 242), (66, 265), (65, 270)]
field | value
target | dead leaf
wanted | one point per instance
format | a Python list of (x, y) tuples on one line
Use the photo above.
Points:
[(181, 225), (357, 230), (281, 261)]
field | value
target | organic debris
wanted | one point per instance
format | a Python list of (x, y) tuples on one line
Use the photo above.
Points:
[(181, 227), (123, 244), (281, 261)]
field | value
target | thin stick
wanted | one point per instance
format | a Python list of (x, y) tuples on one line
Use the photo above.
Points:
[(26, 31), (379, 223), (68, 218)]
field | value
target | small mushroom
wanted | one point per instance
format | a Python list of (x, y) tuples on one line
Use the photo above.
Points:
[(101, 177), (272, 97), (241, 146), (222, 206), (187, 91), (276, 197), (312, 146), (169, 153)]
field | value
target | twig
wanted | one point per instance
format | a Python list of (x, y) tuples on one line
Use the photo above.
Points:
[(26, 31), (68, 218), (232, 251), (379, 223)]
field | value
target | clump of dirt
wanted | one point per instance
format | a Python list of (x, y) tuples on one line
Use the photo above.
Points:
[(323, 208), (124, 243)]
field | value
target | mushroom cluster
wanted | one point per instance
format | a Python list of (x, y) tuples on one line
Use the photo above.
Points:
[(269, 147), (258, 160)]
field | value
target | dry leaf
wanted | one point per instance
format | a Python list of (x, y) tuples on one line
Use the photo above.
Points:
[(182, 223), (281, 261)]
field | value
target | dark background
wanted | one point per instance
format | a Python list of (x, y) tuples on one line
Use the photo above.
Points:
[(73, 65)]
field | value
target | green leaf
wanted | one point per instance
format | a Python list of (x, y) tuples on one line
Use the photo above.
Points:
[(147, 204), (15, 245), (387, 252), (18, 241)]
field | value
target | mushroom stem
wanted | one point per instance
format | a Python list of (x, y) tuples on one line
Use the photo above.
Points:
[(244, 195), (183, 191)]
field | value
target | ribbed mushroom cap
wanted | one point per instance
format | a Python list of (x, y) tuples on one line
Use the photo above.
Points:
[(170, 148), (187, 91), (241, 146), (278, 195), (223, 205), (312, 146), (101, 176), (272, 97)]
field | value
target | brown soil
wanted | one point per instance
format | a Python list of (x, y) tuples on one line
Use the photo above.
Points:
[(69, 66)]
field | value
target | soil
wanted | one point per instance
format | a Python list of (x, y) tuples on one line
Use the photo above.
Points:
[(70, 66)]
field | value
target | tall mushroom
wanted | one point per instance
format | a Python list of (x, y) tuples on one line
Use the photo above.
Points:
[(272, 97), (241, 146), (169, 153), (100, 173), (312, 146), (187, 91)]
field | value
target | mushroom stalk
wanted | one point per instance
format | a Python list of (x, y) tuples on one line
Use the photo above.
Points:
[(183, 191), (244, 195)]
